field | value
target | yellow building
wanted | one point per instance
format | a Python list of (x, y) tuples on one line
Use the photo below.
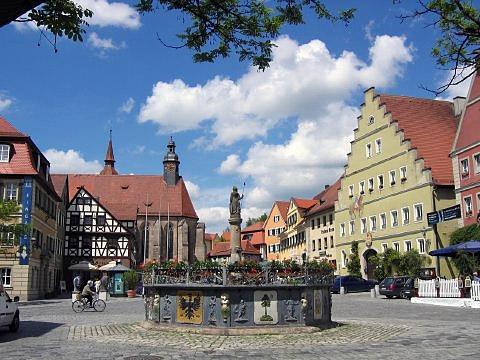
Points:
[(275, 224), (398, 170), (293, 241), (320, 220)]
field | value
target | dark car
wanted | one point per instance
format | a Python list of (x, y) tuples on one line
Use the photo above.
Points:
[(408, 290), (352, 284), (392, 286)]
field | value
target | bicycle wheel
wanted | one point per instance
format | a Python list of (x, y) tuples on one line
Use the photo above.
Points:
[(99, 305), (78, 306)]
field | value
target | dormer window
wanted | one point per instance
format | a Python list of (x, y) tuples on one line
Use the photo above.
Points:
[(4, 153)]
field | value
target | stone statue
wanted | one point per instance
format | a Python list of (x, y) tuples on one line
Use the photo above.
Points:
[(241, 311), (235, 198)]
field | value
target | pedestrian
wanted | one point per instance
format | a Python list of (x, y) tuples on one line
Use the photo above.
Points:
[(97, 285)]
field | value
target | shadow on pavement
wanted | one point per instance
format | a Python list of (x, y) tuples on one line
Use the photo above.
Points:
[(27, 329)]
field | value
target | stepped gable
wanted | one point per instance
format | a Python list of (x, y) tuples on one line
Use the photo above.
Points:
[(430, 125), (469, 127), (327, 198), (125, 196)]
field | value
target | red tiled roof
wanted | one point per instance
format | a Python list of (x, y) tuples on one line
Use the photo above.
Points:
[(223, 248), (258, 226), (59, 182), (257, 231), (21, 160), (430, 125), (283, 208), (126, 195), (304, 203), (327, 198), (210, 237), (469, 128), (7, 129), (226, 235)]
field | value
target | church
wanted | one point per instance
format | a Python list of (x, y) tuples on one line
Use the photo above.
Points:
[(131, 218)]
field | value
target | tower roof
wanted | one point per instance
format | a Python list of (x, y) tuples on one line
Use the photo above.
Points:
[(109, 168)]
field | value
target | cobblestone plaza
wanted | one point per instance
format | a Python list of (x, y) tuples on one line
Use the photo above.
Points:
[(367, 329)]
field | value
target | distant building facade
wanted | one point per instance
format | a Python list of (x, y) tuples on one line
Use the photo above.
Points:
[(398, 171), (255, 234), (275, 224), (466, 157)]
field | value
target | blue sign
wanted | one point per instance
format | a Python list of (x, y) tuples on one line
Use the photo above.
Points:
[(24, 248), (450, 213)]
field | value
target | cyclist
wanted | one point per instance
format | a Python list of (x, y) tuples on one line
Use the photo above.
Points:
[(87, 292)]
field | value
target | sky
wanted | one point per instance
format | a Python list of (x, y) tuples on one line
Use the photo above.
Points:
[(284, 132)]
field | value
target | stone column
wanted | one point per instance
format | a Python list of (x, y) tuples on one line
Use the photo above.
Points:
[(236, 250), (200, 247)]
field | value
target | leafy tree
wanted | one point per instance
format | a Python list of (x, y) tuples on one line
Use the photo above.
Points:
[(411, 263), (7, 210), (391, 262), (466, 263), (464, 234), (457, 48), (353, 266), (252, 221)]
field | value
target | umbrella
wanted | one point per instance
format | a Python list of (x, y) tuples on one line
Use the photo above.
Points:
[(108, 266), (83, 266), (119, 268), (472, 246)]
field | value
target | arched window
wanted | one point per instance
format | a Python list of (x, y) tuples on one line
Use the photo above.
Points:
[(169, 241)]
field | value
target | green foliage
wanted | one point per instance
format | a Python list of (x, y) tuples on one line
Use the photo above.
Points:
[(457, 46), (354, 268), (252, 221), (130, 278), (466, 263), (7, 210), (464, 234), (411, 263), (391, 262)]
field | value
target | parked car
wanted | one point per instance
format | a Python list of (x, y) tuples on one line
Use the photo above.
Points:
[(392, 286), (408, 290), (352, 284), (9, 314)]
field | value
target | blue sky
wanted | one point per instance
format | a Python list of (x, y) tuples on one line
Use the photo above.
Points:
[(285, 131)]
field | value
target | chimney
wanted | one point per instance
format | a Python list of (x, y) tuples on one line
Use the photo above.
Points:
[(459, 104), (326, 187)]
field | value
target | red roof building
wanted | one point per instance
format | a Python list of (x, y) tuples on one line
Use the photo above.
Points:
[(273, 227), (221, 251), (256, 235), (466, 157)]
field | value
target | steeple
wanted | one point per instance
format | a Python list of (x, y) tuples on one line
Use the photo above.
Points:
[(170, 164), (109, 168)]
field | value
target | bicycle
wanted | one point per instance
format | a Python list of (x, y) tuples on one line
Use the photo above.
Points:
[(80, 305)]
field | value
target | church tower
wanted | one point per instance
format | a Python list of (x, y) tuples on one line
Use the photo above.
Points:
[(109, 168), (170, 165)]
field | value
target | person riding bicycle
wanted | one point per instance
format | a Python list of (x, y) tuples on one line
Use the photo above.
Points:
[(87, 292)]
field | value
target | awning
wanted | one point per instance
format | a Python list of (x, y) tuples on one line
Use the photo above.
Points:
[(472, 247), (83, 266)]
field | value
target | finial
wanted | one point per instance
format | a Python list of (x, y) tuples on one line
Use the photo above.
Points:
[(110, 134)]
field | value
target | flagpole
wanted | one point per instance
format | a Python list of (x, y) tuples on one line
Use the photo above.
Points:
[(168, 231), (145, 239), (159, 227)]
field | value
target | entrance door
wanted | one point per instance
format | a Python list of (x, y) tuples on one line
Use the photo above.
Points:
[(370, 267)]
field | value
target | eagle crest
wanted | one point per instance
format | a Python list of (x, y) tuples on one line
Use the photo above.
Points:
[(190, 305)]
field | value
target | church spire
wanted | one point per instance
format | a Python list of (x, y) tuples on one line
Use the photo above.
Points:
[(109, 168), (170, 164)]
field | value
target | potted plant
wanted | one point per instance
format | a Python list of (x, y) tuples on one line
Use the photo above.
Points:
[(130, 278)]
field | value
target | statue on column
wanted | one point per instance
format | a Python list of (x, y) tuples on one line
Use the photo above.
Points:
[(235, 198)]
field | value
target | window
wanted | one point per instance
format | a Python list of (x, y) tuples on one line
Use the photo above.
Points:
[(371, 120), (74, 219), (393, 177), (403, 174), (378, 146), (380, 181), (384, 247), (11, 192), (330, 219), (350, 191), (318, 222), (101, 220), (418, 212), (312, 222), (325, 221), (396, 246), (6, 275), (476, 163), (383, 221), (406, 215), (313, 245), (468, 206), (276, 218), (87, 220), (421, 246), (370, 184), (325, 243), (342, 229), (363, 225), (478, 201), (80, 201), (362, 187), (7, 238), (464, 167), (394, 217), (331, 241), (407, 245), (373, 223), (352, 227), (344, 259), (368, 150), (4, 153)]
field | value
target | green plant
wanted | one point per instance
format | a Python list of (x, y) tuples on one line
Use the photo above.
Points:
[(411, 263), (130, 278), (353, 266)]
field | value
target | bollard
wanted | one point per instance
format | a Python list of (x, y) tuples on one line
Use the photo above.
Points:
[(373, 293), (377, 289), (342, 290)]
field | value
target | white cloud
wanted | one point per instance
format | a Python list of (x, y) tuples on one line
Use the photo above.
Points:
[(103, 44), (105, 13), (127, 106), (455, 90), (111, 13), (302, 81), (5, 102), (368, 30), (216, 217), (193, 189), (71, 161)]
